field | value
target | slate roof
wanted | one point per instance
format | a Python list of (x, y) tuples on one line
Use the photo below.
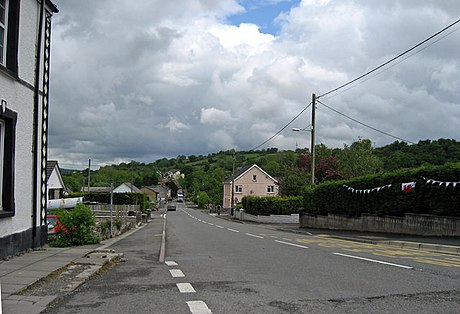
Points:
[(50, 164)]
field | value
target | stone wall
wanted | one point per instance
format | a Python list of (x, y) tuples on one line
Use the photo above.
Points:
[(427, 225), (274, 219)]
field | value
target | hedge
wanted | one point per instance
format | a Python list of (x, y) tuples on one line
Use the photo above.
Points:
[(434, 193), (269, 205), (118, 198)]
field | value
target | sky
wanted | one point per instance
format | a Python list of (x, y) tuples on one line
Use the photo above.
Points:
[(155, 79)]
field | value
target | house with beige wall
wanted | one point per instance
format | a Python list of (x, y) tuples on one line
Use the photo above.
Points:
[(249, 181)]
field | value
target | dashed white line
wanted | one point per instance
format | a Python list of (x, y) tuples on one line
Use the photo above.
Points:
[(185, 288), (373, 261), (171, 263), (219, 227), (254, 236), (198, 307), (176, 273), (210, 224), (232, 230), (292, 244)]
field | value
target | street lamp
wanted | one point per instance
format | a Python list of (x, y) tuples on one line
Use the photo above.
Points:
[(309, 129)]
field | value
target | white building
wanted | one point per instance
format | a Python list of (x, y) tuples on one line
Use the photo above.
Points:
[(25, 34)]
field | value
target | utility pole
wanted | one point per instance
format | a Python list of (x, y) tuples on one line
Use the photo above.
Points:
[(89, 173), (313, 107)]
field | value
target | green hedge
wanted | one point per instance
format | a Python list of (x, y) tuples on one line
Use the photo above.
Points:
[(118, 198), (268, 205), (427, 198)]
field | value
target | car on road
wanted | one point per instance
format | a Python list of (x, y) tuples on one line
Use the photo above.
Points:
[(171, 207)]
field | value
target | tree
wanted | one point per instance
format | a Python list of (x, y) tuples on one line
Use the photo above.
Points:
[(358, 159)]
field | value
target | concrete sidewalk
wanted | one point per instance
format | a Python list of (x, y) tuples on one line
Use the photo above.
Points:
[(23, 271)]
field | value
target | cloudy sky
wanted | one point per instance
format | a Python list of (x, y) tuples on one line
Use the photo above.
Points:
[(148, 79)]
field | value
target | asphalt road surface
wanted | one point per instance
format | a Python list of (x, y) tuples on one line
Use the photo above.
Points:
[(215, 265)]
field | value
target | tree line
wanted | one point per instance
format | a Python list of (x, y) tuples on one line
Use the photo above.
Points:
[(204, 174)]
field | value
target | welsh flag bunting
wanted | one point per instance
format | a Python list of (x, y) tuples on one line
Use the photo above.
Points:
[(408, 187)]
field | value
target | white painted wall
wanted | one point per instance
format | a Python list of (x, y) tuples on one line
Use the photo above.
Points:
[(21, 100)]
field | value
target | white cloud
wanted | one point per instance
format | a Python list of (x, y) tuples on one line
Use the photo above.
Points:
[(175, 72)]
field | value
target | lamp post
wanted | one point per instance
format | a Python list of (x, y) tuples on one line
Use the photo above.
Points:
[(308, 129)]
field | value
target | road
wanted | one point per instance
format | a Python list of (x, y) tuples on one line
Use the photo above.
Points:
[(220, 266)]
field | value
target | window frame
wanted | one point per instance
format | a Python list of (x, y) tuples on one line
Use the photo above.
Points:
[(270, 189), (4, 36), (254, 178), (7, 162), (238, 188)]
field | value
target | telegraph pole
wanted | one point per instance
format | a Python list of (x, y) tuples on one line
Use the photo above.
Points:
[(89, 174), (313, 107)]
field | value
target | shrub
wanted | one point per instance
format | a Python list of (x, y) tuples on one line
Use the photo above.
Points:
[(79, 224), (268, 205), (428, 198)]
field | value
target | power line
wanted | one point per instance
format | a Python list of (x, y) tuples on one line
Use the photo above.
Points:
[(391, 60), (364, 124), (395, 64), (283, 128)]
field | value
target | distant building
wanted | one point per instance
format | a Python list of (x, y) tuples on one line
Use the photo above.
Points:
[(54, 182), (126, 188), (249, 181), (151, 193), (96, 189), (24, 99), (163, 192)]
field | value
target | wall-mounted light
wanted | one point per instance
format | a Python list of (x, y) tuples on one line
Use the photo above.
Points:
[(4, 103)]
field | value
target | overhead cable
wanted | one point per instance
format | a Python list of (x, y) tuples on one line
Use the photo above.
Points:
[(364, 124), (391, 60), (283, 128)]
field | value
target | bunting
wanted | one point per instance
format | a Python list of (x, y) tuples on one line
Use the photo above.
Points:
[(366, 191), (440, 183)]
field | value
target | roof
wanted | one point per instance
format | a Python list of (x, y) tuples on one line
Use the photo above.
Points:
[(96, 189), (245, 169), (50, 165), (130, 186), (52, 6)]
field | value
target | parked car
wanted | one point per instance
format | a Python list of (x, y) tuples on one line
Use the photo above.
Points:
[(171, 207), (54, 225)]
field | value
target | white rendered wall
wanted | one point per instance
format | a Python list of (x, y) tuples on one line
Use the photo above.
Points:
[(21, 100)]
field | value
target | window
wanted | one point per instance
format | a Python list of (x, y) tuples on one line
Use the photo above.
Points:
[(7, 149), (2, 136), (254, 178), (3, 19), (270, 189), (238, 189), (9, 34)]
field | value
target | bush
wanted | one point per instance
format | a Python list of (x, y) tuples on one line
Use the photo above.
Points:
[(428, 198), (79, 224), (269, 205)]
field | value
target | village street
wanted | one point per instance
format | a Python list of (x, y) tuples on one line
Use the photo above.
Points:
[(221, 266)]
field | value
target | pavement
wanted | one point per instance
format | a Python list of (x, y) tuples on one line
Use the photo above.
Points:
[(21, 273)]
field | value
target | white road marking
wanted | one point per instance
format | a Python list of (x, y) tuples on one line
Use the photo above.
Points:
[(185, 288), (171, 263), (254, 236), (219, 227), (374, 261), (176, 273), (210, 224), (204, 222), (232, 230), (198, 307), (292, 244)]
